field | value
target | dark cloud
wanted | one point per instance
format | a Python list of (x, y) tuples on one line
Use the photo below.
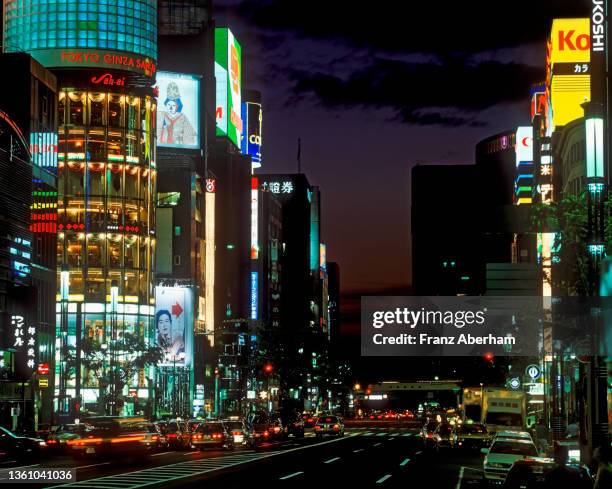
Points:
[(434, 26), (449, 93)]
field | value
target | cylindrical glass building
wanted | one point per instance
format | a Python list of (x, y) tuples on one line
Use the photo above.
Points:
[(103, 53)]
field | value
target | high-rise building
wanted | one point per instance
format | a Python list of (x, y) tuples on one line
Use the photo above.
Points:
[(301, 328), (187, 194), (104, 55), (31, 102)]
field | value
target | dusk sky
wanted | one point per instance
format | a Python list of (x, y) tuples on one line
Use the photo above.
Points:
[(372, 89)]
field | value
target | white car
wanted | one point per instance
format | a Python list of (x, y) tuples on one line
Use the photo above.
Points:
[(502, 454), (512, 435)]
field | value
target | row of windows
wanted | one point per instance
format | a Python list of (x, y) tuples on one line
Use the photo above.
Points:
[(104, 109), (116, 181), (97, 250)]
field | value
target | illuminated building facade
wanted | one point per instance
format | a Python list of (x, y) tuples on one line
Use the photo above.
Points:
[(103, 54), (187, 205), (30, 101)]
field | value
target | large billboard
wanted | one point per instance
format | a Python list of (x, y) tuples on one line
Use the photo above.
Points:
[(251, 140), (228, 73), (178, 112), (568, 71), (173, 324)]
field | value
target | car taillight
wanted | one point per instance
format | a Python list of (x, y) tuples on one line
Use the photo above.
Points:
[(125, 439), (85, 441), (197, 436), (265, 433), (154, 437), (236, 433), (51, 442), (276, 429), (310, 420), (336, 426), (172, 435)]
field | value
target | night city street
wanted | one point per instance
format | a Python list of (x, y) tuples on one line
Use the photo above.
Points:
[(324, 243)]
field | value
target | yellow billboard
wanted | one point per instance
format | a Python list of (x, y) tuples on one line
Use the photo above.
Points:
[(568, 71), (570, 41)]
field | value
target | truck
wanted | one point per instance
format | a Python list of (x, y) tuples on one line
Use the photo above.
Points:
[(504, 409)]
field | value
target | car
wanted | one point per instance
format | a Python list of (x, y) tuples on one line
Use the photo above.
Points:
[(376, 415), (212, 434), (259, 424), (276, 428), (539, 473), (470, 436), (239, 431), (511, 435), (310, 420), (389, 415), (293, 424), (116, 437), (502, 454), (427, 433), (20, 448), (59, 435), (162, 441), (177, 433), (329, 425), (442, 436), (406, 414)]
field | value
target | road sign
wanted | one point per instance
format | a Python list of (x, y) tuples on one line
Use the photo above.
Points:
[(533, 371), (43, 382), (514, 383)]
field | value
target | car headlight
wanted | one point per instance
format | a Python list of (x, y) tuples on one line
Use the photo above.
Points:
[(42, 444), (494, 465)]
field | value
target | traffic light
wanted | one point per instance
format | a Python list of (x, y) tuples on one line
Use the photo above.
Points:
[(489, 357), (268, 368)]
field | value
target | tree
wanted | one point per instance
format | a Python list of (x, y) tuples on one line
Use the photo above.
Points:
[(115, 365), (568, 218)]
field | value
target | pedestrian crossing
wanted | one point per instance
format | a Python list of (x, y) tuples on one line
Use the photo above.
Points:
[(166, 473)]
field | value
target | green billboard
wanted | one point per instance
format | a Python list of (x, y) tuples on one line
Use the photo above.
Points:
[(228, 74)]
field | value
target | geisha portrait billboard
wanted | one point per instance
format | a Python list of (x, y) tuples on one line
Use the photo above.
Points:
[(178, 113), (173, 323)]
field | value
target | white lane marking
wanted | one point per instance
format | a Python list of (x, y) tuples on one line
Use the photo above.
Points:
[(331, 460), (383, 479), (130, 480), (92, 465), (162, 453), (458, 486), (419, 452), (358, 450), (290, 475), (377, 444), (404, 462)]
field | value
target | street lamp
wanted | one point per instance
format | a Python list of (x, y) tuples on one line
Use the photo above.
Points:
[(114, 301), (63, 380), (181, 358)]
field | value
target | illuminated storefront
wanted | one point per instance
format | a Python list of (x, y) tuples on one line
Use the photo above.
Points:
[(106, 184)]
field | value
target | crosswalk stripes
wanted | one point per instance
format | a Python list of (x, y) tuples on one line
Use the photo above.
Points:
[(165, 473)]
